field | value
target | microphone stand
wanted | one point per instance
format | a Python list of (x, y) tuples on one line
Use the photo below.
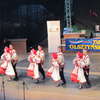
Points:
[(3, 88), (23, 90)]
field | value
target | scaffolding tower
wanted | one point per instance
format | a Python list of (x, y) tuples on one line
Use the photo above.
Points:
[(68, 21)]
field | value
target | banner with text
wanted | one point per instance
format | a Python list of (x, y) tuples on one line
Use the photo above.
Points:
[(79, 44)]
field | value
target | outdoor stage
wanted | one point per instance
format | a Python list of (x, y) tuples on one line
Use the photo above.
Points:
[(47, 90)]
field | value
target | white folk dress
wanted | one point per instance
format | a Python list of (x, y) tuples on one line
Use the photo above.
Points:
[(81, 76), (53, 71), (4, 63), (9, 70), (77, 74), (74, 73), (31, 65), (33, 70)]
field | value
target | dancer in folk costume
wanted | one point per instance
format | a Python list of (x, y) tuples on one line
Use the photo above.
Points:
[(31, 63), (41, 55), (14, 60), (7, 58), (53, 71), (77, 74), (87, 67), (61, 66), (74, 74), (4, 59), (33, 69)]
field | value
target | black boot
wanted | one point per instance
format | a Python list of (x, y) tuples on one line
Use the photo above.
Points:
[(15, 79), (37, 82)]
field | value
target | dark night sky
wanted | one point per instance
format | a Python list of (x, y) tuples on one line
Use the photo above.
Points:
[(52, 5), (55, 7)]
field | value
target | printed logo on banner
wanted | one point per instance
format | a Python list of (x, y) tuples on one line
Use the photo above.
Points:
[(79, 41)]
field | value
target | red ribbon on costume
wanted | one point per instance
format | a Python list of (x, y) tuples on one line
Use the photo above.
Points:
[(80, 55), (54, 55), (34, 51)]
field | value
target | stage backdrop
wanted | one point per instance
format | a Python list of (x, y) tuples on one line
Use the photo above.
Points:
[(79, 44), (54, 40)]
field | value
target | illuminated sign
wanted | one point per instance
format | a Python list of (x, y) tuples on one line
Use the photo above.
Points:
[(79, 44)]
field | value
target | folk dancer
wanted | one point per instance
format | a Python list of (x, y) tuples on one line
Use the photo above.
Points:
[(33, 69), (61, 66), (7, 65), (4, 61), (87, 67), (74, 73), (53, 71), (14, 60), (77, 74), (41, 55)]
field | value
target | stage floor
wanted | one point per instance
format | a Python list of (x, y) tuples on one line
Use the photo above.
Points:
[(47, 90)]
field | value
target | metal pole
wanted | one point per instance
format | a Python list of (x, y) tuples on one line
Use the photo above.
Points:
[(68, 13), (3, 88), (23, 90)]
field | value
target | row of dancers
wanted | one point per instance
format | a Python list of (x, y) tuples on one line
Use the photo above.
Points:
[(79, 74)]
